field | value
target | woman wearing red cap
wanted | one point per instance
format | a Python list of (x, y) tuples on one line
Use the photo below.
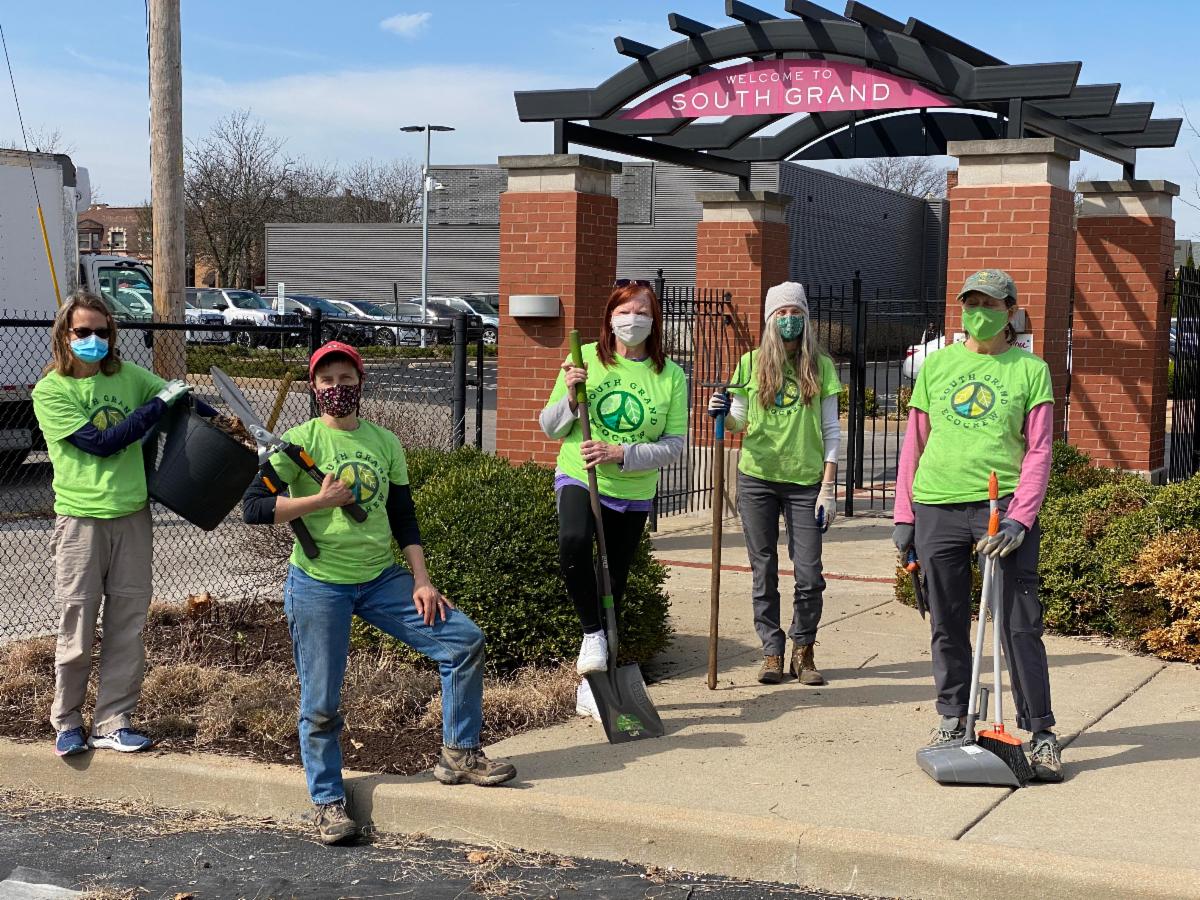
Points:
[(355, 574)]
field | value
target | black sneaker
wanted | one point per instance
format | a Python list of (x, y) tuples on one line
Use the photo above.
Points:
[(334, 825), (945, 737), (1046, 758)]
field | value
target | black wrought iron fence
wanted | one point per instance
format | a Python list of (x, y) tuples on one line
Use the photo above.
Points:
[(420, 394), (1183, 389)]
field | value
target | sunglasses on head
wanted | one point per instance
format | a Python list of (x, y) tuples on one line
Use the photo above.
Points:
[(626, 282), (102, 333)]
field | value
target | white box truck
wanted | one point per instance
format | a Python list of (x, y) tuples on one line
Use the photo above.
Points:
[(27, 287)]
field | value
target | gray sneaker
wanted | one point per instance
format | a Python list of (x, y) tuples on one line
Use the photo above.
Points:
[(334, 825), (1046, 759), (941, 736)]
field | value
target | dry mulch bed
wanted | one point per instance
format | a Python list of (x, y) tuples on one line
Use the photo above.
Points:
[(220, 678)]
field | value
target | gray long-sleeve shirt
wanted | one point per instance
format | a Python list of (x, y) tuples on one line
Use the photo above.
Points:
[(557, 419)]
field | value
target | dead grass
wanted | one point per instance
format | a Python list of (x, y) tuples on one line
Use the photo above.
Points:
[(220, 678)]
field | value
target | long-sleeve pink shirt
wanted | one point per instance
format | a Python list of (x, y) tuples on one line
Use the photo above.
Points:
[(1035, 467)]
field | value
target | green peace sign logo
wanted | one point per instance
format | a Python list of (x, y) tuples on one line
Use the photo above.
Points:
[(621, 411), (973, 401), (788, 395), (106, 417), (362, 480)]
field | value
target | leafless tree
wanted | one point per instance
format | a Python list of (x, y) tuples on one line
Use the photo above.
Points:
[(919, 176), (41, 140), (1193, 202), (391, 188), (1080, 174)]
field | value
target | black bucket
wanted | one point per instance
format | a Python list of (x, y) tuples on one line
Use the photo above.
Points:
[(201, 472)]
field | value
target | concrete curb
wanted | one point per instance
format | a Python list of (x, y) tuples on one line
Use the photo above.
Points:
[(833, 859)]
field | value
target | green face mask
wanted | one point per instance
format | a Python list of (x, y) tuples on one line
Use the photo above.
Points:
[(790, 327), (984, 324)]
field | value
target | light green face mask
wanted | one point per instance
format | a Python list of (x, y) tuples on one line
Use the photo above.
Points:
[(790, 327), (984, 324)]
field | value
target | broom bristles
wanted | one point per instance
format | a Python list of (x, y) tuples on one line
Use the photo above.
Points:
[(1009, 751)]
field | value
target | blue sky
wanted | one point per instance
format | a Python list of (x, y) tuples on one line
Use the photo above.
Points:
[(337, 80)]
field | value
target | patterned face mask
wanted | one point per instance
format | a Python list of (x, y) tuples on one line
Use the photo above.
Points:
[(790, 327), (339, 401)]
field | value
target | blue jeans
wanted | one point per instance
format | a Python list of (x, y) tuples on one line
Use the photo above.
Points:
[(319, 614)]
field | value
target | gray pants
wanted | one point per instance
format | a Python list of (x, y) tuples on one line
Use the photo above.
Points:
[(760, 504), (94, 560), (945, 539)]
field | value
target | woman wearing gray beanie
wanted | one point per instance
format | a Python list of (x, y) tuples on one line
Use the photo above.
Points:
[(785, 396)]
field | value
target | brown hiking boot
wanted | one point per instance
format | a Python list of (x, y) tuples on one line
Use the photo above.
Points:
[(771, 671), (457, 766), (803, 666), (334, 825)]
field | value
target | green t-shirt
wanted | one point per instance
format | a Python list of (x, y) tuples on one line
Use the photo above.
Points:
[(367, 459), (628, 403), (85, 485), (783, 442), (977, 406)]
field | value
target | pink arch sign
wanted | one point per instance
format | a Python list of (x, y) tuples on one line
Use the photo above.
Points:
[(781, 86)]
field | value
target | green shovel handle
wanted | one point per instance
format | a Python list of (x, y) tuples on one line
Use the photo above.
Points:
[(577, 361)]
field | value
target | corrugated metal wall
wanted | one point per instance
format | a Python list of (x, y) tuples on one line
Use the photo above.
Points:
[(838, 226)]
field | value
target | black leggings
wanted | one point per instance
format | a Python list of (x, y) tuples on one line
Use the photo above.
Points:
[(576, 529)]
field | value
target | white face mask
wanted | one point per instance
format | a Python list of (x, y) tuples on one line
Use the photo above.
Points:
[(632, 329)]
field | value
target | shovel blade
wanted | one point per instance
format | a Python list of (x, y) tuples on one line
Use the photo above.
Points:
[(965, 763), (626, 710)]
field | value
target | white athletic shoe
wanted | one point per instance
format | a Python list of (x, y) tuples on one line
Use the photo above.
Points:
[(585, 703), (593, 653)]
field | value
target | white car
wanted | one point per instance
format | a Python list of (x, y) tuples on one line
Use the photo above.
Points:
[(244, 308), (194, 316), (915, 355)]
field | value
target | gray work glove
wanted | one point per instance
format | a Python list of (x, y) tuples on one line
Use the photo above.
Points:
[(172, 391), (902, 536), (1010, 536)]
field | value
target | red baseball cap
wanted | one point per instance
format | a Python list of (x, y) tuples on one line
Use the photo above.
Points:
[(335, 348)]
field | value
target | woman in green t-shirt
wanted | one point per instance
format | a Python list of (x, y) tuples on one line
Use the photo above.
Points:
[(638, 407), (785, 395), (93, 409), (979, 407)]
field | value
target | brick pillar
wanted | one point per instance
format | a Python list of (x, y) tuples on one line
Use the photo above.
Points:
[(1124, 251), (558, 236), (741, 247), (1011, 209)]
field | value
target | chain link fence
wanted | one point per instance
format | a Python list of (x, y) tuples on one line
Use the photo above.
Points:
[(419, 393)]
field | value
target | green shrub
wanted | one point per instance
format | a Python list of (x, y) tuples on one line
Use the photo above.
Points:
[(240, 362), (871, 401), (490, 533)]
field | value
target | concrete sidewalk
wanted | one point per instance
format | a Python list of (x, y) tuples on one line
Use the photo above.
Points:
[(808, 786)]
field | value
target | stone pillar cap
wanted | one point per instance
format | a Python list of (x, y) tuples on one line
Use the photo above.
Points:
[(773, 198), (1170, 188), (1013, 147), (561, 161)]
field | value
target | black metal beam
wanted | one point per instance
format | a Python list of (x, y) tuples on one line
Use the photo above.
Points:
[(583, 135), (1085, 100), (746, 13), (1052, 126), (808, 10), (719, 135), (687, 27), (799, 134), (641, 127), (1158, 133), (907, 135), (872, 18), (636, 49), (934, 37), (1125, 117), (1029, 82)]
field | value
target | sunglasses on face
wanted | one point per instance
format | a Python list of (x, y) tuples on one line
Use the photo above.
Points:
[(82, 333), (625, 282)]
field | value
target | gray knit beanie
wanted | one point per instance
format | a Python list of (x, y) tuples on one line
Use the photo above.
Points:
[(790, 293)]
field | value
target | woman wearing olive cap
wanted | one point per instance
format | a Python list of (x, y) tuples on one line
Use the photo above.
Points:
[(977, 407)]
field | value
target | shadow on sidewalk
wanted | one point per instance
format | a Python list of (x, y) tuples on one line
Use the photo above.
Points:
[(1152, 743)]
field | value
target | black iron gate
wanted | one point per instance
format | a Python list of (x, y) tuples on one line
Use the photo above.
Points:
[(1183, 391)]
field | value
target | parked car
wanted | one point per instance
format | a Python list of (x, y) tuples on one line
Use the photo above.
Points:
[(244, 308), (915, 355), (480, 305), (380, 313), (439, 311), (336, 323), (195, 316)]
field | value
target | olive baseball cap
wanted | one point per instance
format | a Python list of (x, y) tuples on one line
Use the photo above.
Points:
[(993, 282)]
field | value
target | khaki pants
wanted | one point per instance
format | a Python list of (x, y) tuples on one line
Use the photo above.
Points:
[(94, 560)]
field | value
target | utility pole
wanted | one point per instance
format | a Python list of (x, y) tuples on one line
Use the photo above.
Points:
[(166, 183)]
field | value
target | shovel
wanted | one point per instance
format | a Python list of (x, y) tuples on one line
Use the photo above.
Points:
[(626, 711)]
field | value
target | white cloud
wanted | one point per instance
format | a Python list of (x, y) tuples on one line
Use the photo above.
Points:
[(406, 24)]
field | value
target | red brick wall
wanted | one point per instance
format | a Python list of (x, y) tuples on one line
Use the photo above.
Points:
[(745, 259), (550, 243), (1120, 345), (1025, 230)]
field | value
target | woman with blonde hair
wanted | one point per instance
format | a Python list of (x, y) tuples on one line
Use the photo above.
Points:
[(94, 408), (785, 396)]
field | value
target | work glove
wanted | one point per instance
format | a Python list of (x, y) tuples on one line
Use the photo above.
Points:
[(902, 536), (720, 404), (172, 391), (827, 505), (1010, 536)]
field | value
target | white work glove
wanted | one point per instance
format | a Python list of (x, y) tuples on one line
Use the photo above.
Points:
[(720, 404), (1010, 536), (172, 391), (827, 505)]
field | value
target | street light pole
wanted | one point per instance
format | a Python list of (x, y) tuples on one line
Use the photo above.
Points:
[(425, 191)]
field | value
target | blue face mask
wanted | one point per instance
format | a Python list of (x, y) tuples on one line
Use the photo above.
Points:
[(790, 327), (90, 349)]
